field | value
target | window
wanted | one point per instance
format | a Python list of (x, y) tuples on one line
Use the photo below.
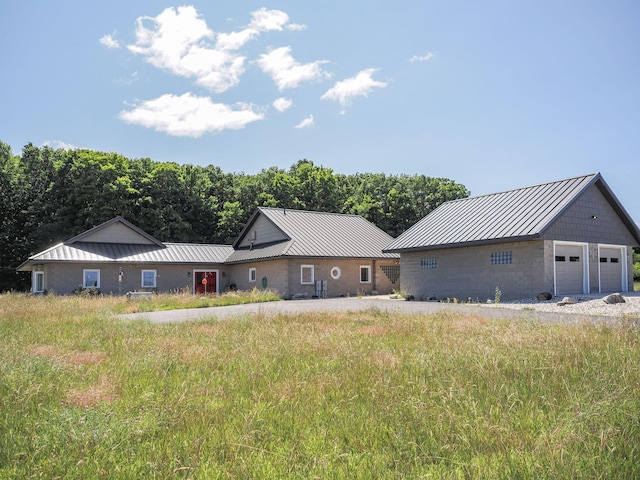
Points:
[(391, 271), (91, 278), (430, 262), (38, 282), (252, 274), (365, 274), (501, 258), (574, 259), (335, 273), (306, 274), (614, 260), (149, 278), (560, 258), (603, 259)]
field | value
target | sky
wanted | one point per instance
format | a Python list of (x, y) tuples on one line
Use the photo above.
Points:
[(494, 95)]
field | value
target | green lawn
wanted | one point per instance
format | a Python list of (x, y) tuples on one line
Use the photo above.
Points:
[(359, 395)]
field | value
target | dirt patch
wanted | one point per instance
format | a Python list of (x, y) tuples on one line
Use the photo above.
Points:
[(73, 358), (102, 392)]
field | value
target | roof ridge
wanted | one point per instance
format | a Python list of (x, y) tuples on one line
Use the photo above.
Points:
[(310, 211), (524, 188), (199, 243)]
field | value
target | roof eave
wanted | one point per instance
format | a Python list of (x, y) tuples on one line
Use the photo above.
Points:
[(491, 241)]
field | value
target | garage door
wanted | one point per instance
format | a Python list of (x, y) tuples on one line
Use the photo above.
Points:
[(610, 269), (569, 269)]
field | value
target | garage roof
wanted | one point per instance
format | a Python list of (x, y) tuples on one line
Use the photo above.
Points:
[(515, 215)]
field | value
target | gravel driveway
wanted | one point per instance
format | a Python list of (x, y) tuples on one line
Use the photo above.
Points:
[(590, 308)]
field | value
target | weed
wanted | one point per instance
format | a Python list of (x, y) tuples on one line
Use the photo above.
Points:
[(370, 394)]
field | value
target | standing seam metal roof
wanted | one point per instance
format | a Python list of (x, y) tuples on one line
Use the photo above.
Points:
[(89, 252), (520, 213), (317, 234)]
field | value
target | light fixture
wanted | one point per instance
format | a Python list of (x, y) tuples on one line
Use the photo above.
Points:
[(594, 216)]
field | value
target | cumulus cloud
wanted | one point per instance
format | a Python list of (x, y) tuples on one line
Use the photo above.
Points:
[(179, 40), (422, 58), (286, 71), (307, 122), (189, 115), (59, 144), (281, 104), (109, 42), (360, 85)]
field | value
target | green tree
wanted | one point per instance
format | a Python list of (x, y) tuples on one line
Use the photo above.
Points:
[(13, 236)]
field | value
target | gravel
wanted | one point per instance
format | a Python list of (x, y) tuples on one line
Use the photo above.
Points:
[(586, 305)]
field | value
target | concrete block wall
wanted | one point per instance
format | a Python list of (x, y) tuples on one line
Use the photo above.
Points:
[(275, 272), (283, 276), (67, 277), (466, 273)]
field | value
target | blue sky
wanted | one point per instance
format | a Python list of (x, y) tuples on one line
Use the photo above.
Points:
[(494, 95)]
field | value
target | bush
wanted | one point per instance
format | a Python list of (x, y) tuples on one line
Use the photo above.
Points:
[(87, 292)]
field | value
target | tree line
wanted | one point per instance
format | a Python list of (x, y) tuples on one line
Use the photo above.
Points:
[(49, 195)]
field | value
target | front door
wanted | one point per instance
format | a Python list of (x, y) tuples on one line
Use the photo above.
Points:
[(205, 281)]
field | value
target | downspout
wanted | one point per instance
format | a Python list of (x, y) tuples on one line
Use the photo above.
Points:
[(373, 275)]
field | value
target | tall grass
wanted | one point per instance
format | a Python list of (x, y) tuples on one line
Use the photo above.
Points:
[(358, 395), (173, 301)]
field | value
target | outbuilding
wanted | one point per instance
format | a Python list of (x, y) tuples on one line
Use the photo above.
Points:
[(565, 237)]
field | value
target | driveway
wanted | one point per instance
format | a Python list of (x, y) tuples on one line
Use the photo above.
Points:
[(354, 304)]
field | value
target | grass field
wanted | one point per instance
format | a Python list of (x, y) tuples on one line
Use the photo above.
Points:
[(358, 396)]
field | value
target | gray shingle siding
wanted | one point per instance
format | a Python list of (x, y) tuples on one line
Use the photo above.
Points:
[(577, 224)]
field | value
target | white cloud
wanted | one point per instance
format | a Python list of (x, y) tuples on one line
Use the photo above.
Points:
[(59, 144), (179, 40), (307, 122), (109, 42), (281, 104), (296, 27), (422, 58), (360, 85), (265, 20), (286, 71), (189, 115)]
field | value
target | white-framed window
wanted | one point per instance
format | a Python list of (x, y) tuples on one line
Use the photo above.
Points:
[(91, 278), (335, 273), (365, 274), (38, 282), (306, 274), (149, 278), (252, 274)]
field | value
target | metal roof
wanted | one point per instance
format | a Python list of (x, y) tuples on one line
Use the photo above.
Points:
[(515, 214), (90, 252), (316, 234)]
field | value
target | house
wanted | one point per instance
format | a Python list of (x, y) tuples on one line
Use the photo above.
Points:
[(566, 237), (291, 250), (296, 253), (118, 257)]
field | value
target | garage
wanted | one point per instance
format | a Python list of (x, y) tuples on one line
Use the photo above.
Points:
[(611, 269), (570, 269)]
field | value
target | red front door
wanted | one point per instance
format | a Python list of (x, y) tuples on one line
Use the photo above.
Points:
[(206, 282)]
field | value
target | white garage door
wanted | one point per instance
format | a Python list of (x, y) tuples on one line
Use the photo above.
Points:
[(610, 269), (569, 269)]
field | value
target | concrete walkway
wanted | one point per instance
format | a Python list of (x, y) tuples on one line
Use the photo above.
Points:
[(354, 304)]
